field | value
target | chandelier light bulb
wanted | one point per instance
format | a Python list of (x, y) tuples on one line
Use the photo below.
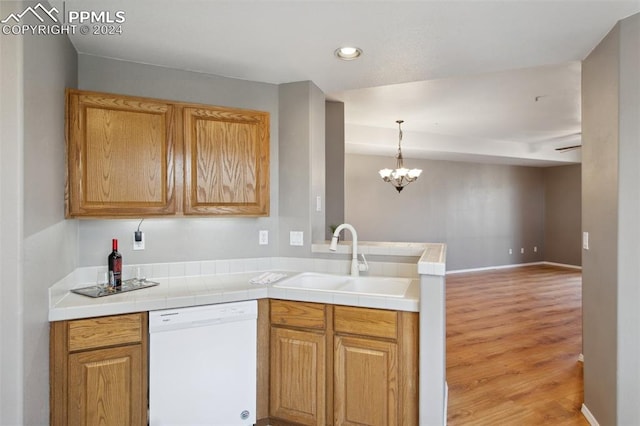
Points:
[(414, 173), (385, 173)]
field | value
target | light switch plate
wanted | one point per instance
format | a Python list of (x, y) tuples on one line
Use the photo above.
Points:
[(296, 238), (263, 237), (585, 240)]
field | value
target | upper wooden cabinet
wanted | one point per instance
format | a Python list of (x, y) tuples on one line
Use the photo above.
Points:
[(139, 157), (120, 156), (226, 161)]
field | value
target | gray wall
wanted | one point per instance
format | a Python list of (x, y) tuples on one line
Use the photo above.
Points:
[(11, 170), (301, 165), (317, 112), (611, 207), (334, 165), (562, 215), (172, 240), (480, 210), (599, 218), (629, 224), (38, 69)]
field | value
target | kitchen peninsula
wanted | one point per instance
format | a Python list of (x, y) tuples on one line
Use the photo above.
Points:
[(210, 282)]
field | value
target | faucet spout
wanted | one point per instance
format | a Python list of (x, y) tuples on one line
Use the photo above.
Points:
[(355, 267)]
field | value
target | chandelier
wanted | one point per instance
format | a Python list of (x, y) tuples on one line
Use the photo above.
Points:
[(401, 176)]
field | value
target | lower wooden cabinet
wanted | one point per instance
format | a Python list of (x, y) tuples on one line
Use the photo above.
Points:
[(298, 376), (317, 365), (98, 369), (298, 362), (340, 365), (365, 382)]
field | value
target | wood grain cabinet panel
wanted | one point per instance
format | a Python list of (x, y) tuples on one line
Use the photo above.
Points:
[(95, 383), (366, 322), (298, 314), (105, 331), (120, 156), (105, 387), (298, 376), (365, 382), (226, 161)]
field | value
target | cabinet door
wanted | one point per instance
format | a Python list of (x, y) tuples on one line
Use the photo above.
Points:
[(226, 161), (298, 378), (105, 387), (365, 382), (120, 156)]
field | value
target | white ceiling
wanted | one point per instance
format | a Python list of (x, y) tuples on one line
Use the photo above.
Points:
[(464, 75), (509, 117)]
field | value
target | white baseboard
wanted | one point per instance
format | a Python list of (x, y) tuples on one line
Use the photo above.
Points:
[(446, 402), (563, 265), (490, 268), (515, 265), (587, 415)]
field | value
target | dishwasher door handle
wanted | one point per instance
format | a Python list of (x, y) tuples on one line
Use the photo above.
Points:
[(208, 321)]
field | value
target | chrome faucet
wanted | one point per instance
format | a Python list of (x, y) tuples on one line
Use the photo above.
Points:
[(356, 266)]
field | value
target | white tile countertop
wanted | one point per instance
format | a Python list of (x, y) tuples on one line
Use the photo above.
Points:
[(176, 292), (186, 284)]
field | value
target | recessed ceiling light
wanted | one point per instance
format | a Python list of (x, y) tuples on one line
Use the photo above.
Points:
[(348, 53)]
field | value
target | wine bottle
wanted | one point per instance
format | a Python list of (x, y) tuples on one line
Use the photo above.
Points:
[(115, 264)]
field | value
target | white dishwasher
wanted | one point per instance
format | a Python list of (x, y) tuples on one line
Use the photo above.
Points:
[(202, 365)]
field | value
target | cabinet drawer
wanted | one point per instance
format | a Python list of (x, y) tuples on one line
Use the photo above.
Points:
[(105, 331), (298, 314), (366, 322)]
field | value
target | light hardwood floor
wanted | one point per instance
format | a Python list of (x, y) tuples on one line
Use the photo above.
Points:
[(513, 341)]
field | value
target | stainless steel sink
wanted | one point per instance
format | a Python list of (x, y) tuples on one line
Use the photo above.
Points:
[(372, 286)]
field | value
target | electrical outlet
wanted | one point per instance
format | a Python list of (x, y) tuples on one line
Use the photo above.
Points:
[(263, 237), (318, 203), (510, 251), (585, 240), (522, 250), (138, 245), (535, 249), (296, 238)]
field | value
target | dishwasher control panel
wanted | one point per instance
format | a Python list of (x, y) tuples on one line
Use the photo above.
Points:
[(199, 316)]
